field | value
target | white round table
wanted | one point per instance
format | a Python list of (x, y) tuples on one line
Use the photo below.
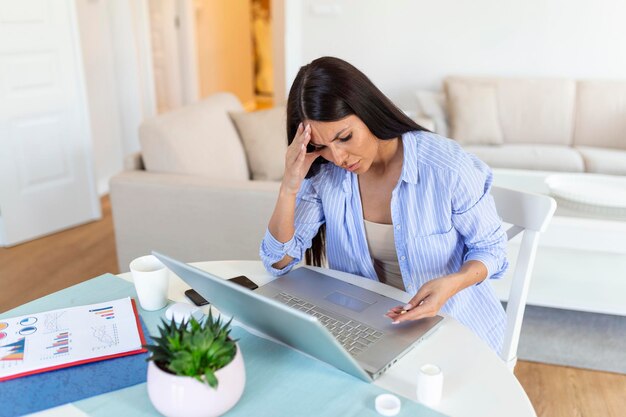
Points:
[(593, 194), (476, 381)]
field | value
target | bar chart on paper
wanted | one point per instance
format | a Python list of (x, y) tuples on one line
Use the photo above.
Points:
[(67, 337), (59, 346), (104, 312)]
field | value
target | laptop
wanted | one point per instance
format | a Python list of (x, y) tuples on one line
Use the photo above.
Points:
[(336, 322)]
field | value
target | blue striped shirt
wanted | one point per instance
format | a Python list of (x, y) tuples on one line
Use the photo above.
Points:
[(443, 216)]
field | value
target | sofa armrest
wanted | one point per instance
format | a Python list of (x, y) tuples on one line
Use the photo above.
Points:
[(188, 217), (134, 162)]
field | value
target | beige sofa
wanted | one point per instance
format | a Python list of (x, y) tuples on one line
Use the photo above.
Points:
[(537, 124), (194, 192)]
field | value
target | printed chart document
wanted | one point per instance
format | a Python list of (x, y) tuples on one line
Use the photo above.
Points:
[(66, 337)]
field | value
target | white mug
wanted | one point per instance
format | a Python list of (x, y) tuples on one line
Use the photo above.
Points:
[(429, 385), (151, 280)]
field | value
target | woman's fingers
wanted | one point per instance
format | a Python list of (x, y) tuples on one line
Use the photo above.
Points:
[(419, 307), (297, 160), (302, 155), (305, 159), (416, 313), (394, 311), (426, 309), (306, 137), (298, 146)]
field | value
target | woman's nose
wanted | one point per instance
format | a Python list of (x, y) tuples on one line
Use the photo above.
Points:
[(339, 156)]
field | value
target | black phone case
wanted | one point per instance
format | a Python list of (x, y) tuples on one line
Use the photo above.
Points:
[(244, 281), (196, 298)]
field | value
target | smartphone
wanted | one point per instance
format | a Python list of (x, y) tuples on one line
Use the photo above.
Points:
[(196, 298), (199, 300), (245, 282)]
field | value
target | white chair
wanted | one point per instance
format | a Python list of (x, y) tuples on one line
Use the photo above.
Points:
[(528, 214)]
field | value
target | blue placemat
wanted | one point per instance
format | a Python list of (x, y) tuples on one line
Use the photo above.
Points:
[(280, 381), (49, 389)]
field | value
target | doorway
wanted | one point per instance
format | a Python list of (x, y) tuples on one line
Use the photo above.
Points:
[(262, 46), (201, 47)]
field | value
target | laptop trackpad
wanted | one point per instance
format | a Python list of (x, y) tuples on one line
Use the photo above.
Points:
[(347, 301)]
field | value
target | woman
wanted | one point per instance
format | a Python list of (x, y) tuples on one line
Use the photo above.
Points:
[(381, 197)]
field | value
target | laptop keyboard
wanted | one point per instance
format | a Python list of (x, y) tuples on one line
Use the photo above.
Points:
[(354, 336)]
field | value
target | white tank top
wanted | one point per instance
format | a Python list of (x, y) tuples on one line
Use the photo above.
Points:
[(383, 252)]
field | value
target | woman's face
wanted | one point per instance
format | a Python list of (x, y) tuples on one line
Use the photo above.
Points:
[(347, 143)]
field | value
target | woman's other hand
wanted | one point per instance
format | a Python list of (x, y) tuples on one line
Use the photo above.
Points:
[(428, 300), (297, 160), (434, 294)]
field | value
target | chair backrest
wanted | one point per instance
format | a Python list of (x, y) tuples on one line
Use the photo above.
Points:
[(529, 214)]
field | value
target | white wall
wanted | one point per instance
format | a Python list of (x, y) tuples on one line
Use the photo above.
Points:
[(99, 65), (404, 45), (118, 75), (130, 26)]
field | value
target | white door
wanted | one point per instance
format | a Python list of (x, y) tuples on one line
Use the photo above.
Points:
[(46, 168), (165, 55), (172, 32)]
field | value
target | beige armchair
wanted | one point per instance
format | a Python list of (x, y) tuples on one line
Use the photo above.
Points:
[(191, 192)]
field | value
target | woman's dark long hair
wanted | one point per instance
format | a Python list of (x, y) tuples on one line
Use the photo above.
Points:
[(330, 89)]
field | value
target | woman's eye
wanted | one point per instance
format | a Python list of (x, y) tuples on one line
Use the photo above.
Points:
[(347, 138)]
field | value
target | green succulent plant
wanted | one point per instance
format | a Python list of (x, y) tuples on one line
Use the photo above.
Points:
[(194, 349)]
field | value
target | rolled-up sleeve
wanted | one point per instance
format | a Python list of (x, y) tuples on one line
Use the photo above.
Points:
[(475, 217), (309, 216)]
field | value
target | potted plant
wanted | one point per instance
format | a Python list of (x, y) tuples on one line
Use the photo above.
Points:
[(195, 369)]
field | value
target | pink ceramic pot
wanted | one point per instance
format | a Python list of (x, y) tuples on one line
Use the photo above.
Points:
[(183, 396)]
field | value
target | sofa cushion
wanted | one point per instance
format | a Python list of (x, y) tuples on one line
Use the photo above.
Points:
[(536, 157), (263, 134), (199, 139), (537, 110), (603, 161), (473, 113), (531, 110), (601, 114)]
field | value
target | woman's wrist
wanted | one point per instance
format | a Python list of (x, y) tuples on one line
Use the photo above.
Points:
[(456, 282), (471, 273), (285, 191)]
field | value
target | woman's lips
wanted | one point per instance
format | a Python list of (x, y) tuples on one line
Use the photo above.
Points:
[(353, 167)]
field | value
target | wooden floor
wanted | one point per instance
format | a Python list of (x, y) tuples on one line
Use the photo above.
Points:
[(37, 268), (34, 269)]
